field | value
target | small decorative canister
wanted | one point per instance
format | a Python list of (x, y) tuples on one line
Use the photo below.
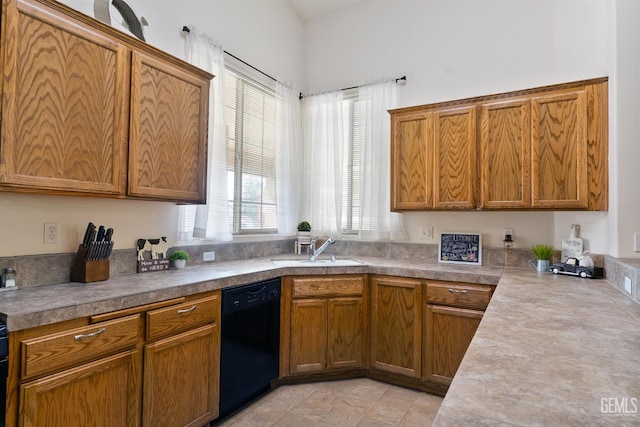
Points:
[(9, 278)]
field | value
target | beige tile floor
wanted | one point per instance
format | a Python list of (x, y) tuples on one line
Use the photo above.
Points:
[(355, 402)]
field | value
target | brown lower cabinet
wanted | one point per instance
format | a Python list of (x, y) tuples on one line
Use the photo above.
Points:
[(417, 330), (159, 364), (396, 325), (323, 324), (151, 365), (448, 333), (104, 392), (451, 316), (181, 370)]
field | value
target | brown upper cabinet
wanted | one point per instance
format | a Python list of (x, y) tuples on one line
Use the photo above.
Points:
[(88, 110), (543, 148), (168, 131)]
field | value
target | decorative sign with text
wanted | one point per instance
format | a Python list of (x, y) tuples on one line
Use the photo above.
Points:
[(152, 254), (148, 265), (461, 248)]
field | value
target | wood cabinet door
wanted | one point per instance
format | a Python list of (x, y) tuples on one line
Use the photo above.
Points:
[(411, 162), (345, 333), (64, 108), (454, 153), (308, 335), (559, 150), (168, 131), (448, 333), (396, 318), (181, 379), (101, 393), (505, 154)]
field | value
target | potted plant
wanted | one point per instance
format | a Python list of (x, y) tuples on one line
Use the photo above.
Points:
[(179, 258), (304, 236), (543, 254), (304, 227)]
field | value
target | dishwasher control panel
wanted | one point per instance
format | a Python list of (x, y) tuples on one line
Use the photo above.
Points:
[(240, 298)]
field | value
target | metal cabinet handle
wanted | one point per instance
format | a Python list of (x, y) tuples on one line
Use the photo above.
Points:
[(186, 310), (457, 291), (92, 334)]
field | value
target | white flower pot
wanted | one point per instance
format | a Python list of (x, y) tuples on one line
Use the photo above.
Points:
[(179, 263)]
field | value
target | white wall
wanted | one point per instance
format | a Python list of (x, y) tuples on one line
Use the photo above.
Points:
[(451, 49), (267, 34), (627, 125), (447, 48)]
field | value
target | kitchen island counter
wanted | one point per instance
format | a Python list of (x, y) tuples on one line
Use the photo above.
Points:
[(42, 305), (550, 350)]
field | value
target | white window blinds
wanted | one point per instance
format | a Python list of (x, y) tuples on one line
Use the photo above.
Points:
[(251, 179)]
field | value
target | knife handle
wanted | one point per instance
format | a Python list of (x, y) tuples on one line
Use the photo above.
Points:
[(87, 234), (100, 235)]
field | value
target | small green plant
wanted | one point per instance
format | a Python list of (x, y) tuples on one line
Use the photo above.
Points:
[(179, 254), (544, 252), (304, 226)]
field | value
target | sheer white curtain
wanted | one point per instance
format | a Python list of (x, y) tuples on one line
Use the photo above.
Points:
[(288, 158), (210, 221), (376, 221), (323, 162), (347, 165)]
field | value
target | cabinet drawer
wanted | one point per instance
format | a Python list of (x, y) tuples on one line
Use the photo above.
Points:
[(178, 318), (54, 352), (327, 286), (465, 295)]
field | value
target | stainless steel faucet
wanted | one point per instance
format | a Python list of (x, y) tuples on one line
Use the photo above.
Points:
[(315, 253)]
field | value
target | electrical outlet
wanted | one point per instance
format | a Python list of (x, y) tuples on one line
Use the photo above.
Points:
[(50, 233), (208, 256), (507, 231), (426, 232), (627, 285)]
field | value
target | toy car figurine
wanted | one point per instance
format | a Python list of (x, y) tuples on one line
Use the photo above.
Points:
[(572, 267)]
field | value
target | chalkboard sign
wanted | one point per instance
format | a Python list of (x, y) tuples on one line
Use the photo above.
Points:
[(461, 248)]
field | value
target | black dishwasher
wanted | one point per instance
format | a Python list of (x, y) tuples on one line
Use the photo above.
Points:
[(250, 346), (4, 371)]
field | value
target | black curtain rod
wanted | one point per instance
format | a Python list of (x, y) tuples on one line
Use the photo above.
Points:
[(403, 78), (187, 30)]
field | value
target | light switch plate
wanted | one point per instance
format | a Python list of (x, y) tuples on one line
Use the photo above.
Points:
[(636, 241), (627, 285)]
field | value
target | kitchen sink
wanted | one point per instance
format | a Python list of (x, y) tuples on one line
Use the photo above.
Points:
[(317, 263)]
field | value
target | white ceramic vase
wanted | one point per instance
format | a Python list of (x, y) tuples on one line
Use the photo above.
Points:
[(179, 263)]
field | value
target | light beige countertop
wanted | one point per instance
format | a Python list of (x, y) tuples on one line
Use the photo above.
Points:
[(41, 305), (550, 351)]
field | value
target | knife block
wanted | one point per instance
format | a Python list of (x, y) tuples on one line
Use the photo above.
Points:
[(88, 271)]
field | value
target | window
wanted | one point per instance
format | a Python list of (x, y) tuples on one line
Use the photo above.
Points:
[(346, 144), (250, 135), (353, 127)]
